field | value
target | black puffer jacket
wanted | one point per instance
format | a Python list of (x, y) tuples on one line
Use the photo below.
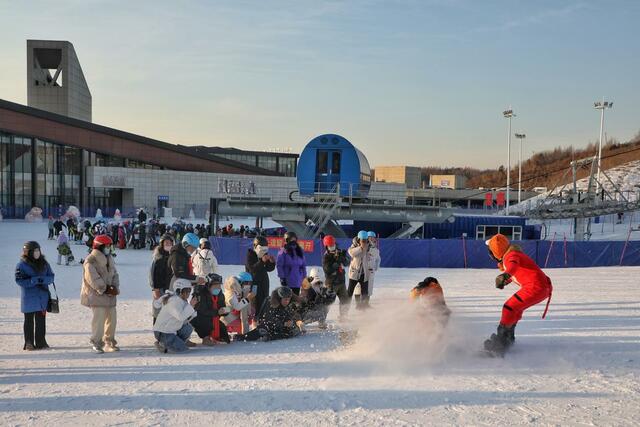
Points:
[(275, 315), (260, 272), (160, 275), (207, 311), (179, 263), (334, 265)]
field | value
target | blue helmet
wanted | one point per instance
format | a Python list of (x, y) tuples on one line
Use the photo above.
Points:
[(244, 277), (371, 234), (190, 239), (362, 235)]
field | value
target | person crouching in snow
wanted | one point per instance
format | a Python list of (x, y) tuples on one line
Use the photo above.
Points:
[(239, 305), (279, 320), (172, 328), (429, 295), (535, 287), (64, 251), (315, 299), (100, 287), (208, 300)]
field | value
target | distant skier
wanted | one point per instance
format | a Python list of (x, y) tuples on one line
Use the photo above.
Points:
[(535, 287)]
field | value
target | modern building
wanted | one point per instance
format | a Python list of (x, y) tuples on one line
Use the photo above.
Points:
[(408, 175), (52, 156), (55, 81), (52, 161), (453, 182)]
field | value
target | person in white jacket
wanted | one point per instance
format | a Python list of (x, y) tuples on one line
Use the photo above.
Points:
[(172, 328), (238, 305), (203, 260), (374, 262), (359, 269)]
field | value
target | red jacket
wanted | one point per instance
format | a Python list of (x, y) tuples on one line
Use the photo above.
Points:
[(524, 270)]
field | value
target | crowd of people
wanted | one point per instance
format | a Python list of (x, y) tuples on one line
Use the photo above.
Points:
[(189, 294)]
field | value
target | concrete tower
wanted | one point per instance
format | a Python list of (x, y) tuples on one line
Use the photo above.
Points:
[(55, 81)]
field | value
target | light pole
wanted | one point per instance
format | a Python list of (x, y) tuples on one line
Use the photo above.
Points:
[(601, 106), (520, 136), (508, 114)]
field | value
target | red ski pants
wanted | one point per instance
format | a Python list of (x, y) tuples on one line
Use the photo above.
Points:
[(520, 301)]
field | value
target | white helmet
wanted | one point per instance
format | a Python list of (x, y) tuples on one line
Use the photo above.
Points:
[(181, 284), (315, 273)]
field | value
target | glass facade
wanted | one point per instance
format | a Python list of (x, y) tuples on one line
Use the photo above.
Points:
[(35, 172), (284, 165), (39, 173)]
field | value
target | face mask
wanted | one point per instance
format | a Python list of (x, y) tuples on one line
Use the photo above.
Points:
[(215, 291), (106, 250), (36, 254), (331, 248)]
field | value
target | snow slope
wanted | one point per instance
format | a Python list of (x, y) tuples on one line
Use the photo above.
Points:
[(580, 366)]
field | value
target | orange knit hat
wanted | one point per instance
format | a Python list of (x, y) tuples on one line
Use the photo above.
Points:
[(498, 245)]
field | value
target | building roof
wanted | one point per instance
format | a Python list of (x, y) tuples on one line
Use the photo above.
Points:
[(69, 121)]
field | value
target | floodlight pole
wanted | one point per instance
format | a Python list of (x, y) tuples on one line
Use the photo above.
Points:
[(601, 106), (520, 136), (508, 114)]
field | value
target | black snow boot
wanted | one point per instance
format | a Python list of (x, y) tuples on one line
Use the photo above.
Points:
[(500, 342)]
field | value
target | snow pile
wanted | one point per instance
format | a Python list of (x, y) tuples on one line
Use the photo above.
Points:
[(34, 215)]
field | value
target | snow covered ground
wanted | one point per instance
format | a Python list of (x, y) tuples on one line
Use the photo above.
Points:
[(580, 366)]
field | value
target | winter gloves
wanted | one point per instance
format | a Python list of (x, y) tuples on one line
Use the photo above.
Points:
[(502, 280), (111, 290)]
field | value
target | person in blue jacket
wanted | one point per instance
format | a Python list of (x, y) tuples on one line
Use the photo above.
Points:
[(34, 275)]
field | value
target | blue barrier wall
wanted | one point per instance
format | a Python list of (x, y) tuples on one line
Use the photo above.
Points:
[(451, 253)]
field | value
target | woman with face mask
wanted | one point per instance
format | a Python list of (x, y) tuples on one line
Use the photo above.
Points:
[(208, 301), (34, 275), (100, 287), (159, 275)]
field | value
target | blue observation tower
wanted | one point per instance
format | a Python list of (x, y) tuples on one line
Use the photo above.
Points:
[(330, 163)]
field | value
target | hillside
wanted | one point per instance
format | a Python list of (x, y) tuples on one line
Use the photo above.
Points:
[(545, 169)]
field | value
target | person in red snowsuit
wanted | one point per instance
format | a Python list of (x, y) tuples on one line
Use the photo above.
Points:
[(535, 287)]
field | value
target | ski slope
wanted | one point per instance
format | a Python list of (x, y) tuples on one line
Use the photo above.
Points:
[(580, 366)]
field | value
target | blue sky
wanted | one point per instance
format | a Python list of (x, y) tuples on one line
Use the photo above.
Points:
[(408, 82)]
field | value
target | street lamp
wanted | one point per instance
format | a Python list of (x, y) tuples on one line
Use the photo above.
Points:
[(601, 106), (520, 136), (508, 114)]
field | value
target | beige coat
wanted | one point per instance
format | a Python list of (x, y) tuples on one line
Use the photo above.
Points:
[(99, 272), (359, 263)]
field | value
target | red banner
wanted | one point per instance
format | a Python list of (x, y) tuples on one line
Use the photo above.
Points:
[(488, 199), (278, 242), (500, 199)]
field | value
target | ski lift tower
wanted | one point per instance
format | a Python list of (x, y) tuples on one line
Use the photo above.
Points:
[(569, 200)]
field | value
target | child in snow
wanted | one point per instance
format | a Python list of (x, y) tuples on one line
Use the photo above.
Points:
[(315, 299), (64, 250), (429, 295), (535, 287), (203, 260), (279, 320), (172, 328), (208, 300), (237, 302), (334, 262)]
